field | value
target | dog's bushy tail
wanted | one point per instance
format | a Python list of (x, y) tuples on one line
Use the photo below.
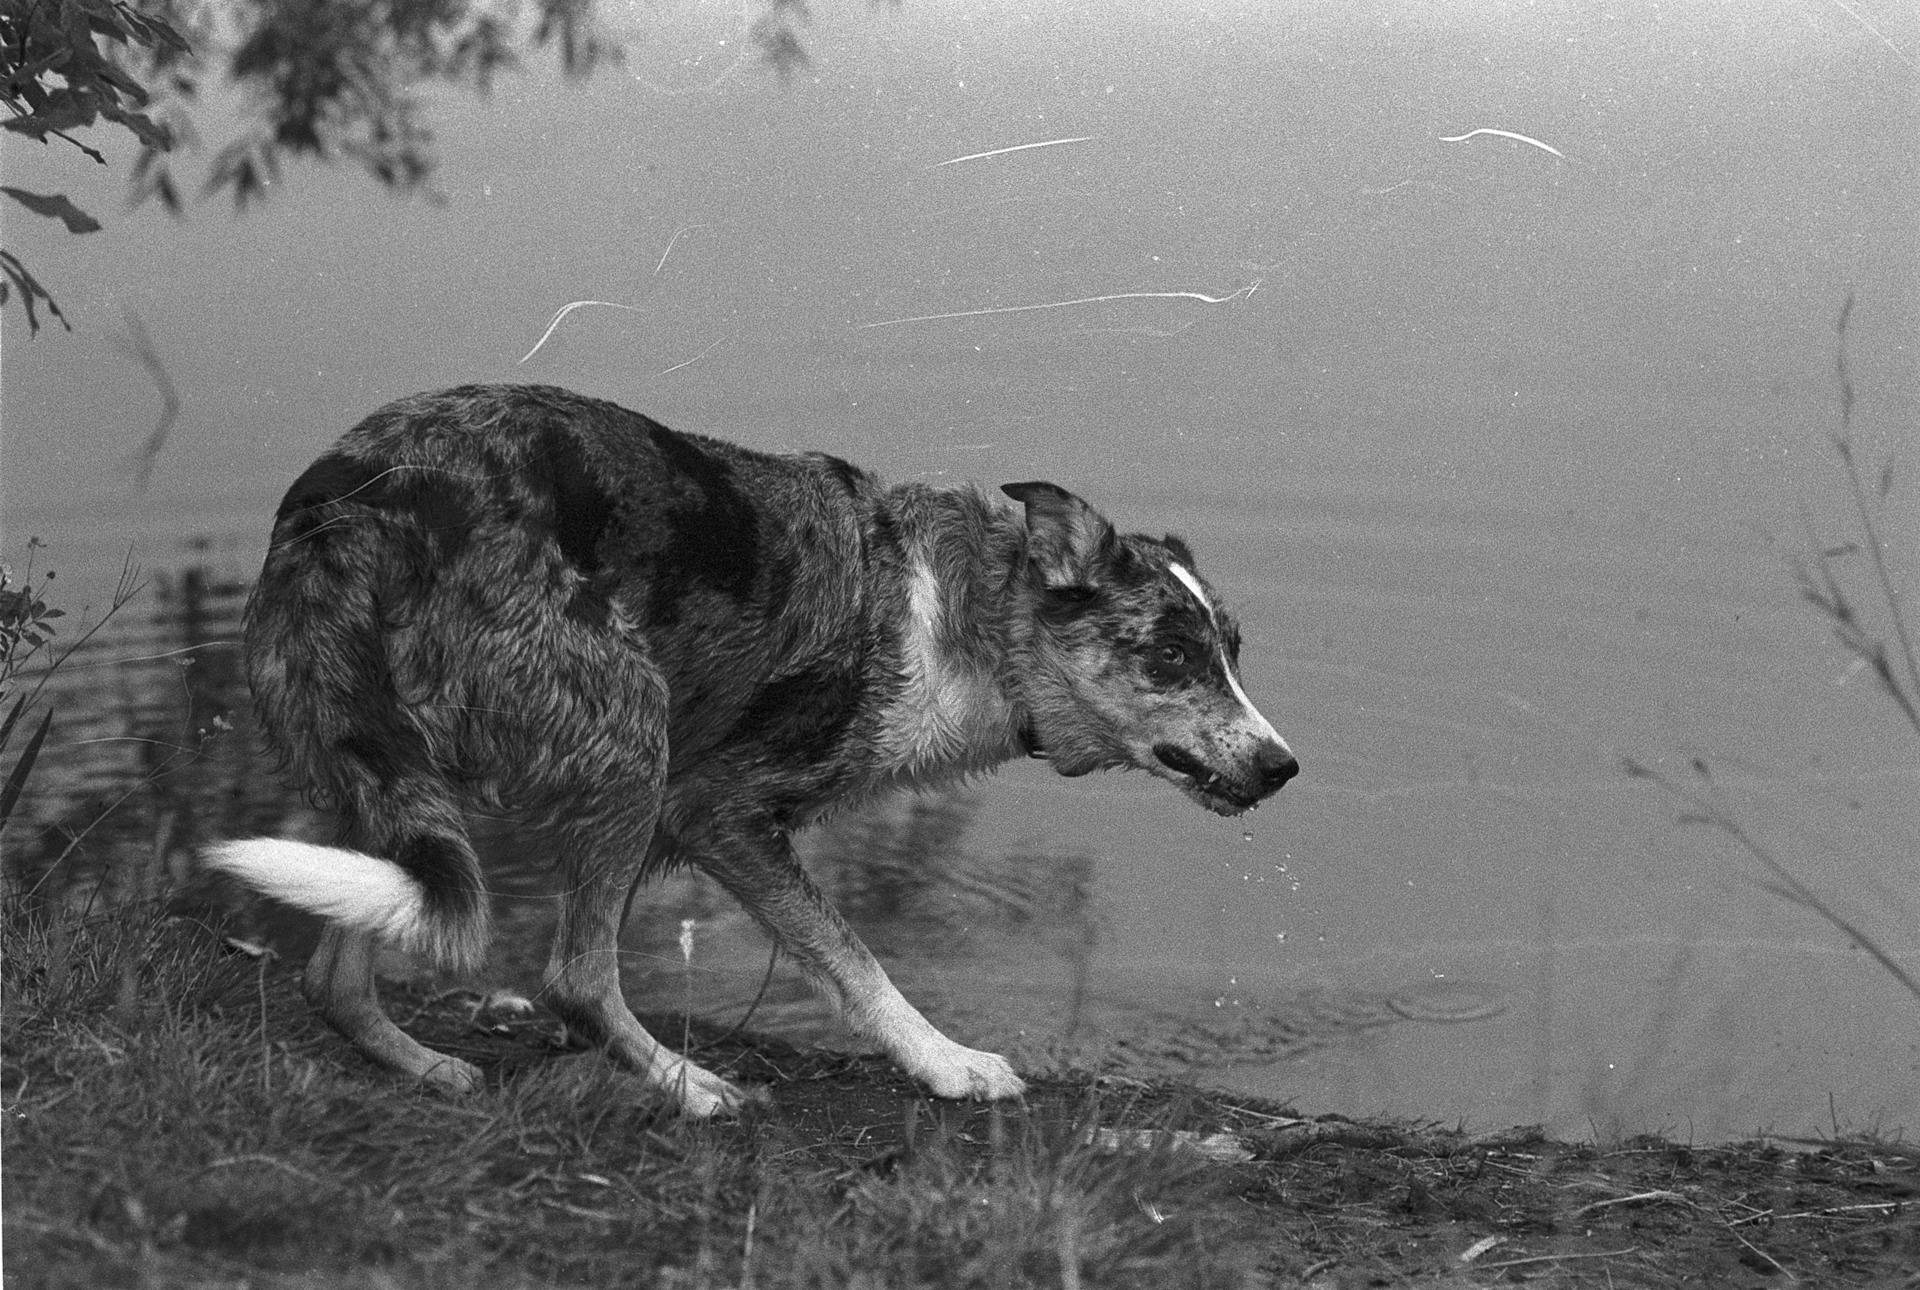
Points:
[(428, 900)]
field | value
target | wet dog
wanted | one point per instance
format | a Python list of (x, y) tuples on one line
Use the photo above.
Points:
[(652, 648)]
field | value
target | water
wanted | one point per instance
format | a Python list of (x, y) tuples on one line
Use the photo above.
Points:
[(1502, 463)]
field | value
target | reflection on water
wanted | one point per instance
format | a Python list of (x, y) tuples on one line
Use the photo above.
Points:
[(1309, 1020), (153, 753)]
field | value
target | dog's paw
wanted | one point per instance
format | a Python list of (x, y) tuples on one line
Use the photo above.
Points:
[(501, 1003), (734, 1099), (450, 1075), (956, 1071), (699, 1094)]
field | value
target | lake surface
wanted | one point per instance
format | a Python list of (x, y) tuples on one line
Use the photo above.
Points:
[(1501, 454)]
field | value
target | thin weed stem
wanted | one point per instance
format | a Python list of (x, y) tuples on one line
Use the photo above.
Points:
[(266, 1048), (1702, 809), (1897, 671), (1876, 546)]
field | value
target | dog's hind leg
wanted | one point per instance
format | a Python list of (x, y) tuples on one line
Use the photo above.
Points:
[(340, 985), (427, 898), (758, 867)]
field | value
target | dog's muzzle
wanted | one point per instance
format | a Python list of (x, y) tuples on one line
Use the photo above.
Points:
[(1227, 792)]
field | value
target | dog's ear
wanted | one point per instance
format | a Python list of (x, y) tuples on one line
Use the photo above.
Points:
[(1066, 538)]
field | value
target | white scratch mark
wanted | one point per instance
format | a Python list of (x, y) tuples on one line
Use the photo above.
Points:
[(1018, 147), (684, 228), (1504, 134), (697, 357), (1879, 35), (547, 335), (1241, 294)]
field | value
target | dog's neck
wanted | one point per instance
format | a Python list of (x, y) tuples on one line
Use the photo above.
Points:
[(957, 713)]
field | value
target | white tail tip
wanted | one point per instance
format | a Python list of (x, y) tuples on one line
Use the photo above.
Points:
[(341, 886)]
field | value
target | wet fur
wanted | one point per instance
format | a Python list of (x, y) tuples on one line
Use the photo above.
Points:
[(653, 648)]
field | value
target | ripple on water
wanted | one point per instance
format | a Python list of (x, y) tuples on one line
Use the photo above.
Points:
[(1291, 1025)]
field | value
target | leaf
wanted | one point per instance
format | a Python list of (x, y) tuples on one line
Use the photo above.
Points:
[(153, 31), (17, 779), (55, 206), (119, 80), (26, 77), (16, 276), (6, 727), (68, 113), (151, 133), (155, 181)]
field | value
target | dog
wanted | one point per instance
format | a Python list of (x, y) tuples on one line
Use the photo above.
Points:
[(653, 648)]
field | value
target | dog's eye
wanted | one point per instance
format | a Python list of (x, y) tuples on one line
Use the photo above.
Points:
[(1168, 662)]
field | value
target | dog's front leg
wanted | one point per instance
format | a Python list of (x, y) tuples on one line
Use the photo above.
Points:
[(601, 865), (764, 876)]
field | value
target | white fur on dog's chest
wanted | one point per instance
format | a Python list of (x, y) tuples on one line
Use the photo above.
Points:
[(950, 719)]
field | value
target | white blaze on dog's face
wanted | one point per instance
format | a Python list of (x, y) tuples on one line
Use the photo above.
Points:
[(1226, 650), (1137, 664)]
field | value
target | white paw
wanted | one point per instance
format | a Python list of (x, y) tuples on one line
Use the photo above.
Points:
[(699, 1094), (959, 1072), (451, 1075), (509, 1003)]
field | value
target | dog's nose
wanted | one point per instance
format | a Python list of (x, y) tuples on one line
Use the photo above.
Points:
[(1275, 765)]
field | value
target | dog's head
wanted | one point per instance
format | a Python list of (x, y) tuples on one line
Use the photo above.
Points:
[(1133, 661)]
